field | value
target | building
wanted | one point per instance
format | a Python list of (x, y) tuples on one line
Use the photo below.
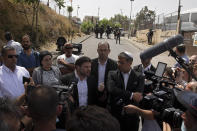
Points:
[(92, 19)]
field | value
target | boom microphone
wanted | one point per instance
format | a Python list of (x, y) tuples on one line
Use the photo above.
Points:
[(162, 47)]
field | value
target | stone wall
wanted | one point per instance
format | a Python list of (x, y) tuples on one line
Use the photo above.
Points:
[(160, 36), (188, 40)]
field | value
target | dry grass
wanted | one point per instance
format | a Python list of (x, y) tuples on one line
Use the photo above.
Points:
[(51, 25)]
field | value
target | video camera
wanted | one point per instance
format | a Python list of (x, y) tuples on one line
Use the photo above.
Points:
[(162, 98), (64, 94)]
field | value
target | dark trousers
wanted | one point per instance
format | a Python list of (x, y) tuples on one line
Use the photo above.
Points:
[(117, 39), (149, 40), (101, 35), (96, 35)]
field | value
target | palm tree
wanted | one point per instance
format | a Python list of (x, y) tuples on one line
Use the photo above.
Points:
[(70, 10), (60, 4)]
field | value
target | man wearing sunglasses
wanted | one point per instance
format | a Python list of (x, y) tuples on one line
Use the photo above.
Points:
[(66, 61), (11, 76)]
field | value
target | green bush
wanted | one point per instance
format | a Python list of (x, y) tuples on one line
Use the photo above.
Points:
[(87, 27)]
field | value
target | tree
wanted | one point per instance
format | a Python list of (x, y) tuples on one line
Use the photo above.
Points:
[(144, 19), (86, 27), (105, 22), (70, 10), (122, 20), (35, 6), (60, 4)]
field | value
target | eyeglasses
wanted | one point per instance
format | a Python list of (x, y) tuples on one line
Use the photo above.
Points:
[(11, 56)]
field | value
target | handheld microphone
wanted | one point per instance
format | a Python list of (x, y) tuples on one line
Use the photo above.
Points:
[(162, 47)]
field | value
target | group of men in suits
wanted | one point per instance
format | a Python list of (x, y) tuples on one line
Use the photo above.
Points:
[(109, 84)]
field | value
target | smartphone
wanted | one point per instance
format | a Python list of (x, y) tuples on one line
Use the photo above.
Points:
[(160, 69), (26, 79)]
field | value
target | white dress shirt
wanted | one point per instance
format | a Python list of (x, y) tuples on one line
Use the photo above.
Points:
[(11, 83), (17, 46), (126, 78), (146, 69), (82, 91), (101, 72)]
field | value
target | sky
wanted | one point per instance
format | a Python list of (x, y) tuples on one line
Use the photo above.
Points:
[(108, 8)]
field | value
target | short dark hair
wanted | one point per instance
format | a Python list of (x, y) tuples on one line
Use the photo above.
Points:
[(8, 110), (5, 49), (92, 118), (42, 103), (82, 60), (181, 48), (8, 36), (43, 54), (169, 72)]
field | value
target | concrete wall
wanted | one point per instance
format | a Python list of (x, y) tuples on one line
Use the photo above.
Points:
[(160, 35), (188, 40)]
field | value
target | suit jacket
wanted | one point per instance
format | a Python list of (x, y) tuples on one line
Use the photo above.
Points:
[(92, 88), (139, 68), (111, 65), (117, 90)]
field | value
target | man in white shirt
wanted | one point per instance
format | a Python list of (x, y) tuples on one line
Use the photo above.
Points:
[(100, 69), (11, 42), (11, 76), (86, 92), (66, 61), (125, 86)]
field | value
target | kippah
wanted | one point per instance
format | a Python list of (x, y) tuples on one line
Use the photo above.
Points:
[(128, 54)]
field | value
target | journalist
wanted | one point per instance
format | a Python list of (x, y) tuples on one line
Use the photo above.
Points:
[(187, 99)]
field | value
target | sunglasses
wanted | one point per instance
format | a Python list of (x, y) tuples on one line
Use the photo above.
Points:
[(68, 48), (11, 56)]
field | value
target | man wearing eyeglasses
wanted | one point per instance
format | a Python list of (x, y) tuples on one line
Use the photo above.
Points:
[(66, 61), (11, 76)]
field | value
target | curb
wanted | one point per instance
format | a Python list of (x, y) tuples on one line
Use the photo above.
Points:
[(138, 45)]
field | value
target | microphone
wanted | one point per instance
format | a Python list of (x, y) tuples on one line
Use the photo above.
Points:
[(162, 47)]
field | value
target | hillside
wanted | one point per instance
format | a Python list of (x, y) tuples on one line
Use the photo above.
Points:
[(17, 18)]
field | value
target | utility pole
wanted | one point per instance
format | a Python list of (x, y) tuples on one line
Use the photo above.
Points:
[(77, 10), (129, 34), (121, 12), (48, 3), (179, 18), (98, 12)]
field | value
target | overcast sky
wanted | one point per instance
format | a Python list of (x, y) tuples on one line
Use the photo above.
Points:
[(110, 7)]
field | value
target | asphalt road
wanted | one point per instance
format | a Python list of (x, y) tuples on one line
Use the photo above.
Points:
[(90, 49)]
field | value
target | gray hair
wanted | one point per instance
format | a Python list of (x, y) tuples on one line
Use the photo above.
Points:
[(5, 49), (104, 43)]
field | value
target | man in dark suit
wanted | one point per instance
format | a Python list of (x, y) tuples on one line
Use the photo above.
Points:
[(125, 86), (145, 66), (100, 68), (86, 92)]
